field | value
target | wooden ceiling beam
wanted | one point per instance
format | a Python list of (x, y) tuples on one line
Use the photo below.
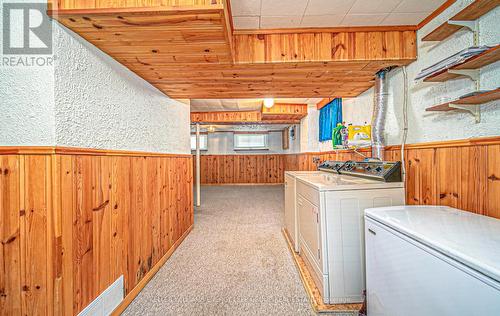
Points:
[(321, 104), (190, 51), (238, 118)]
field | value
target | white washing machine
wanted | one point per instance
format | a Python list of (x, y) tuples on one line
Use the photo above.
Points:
[(331, 229), (291, 217), (432, 260)]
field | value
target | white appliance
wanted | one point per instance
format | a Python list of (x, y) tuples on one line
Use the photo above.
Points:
[(331, 232), (432, 260), (291, 217)]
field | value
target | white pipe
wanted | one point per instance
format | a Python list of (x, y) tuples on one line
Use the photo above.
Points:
[(198, 197)]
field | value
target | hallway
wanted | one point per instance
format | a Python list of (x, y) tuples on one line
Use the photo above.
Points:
[(234, 262)]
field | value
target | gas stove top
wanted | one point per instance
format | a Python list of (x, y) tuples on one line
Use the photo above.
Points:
[(370, 169)]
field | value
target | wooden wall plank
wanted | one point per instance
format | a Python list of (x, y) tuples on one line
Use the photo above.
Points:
[(448, 176), (493, 181), (101, 218), (67, 188), (34, 243), (421, 177), (120, 203), (84, 287), (164, 207), (135, 260), (472, 188), (153, 193), (10, 259)]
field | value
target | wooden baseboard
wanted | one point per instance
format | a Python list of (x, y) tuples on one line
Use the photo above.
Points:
[(313, 292), (138, 288)]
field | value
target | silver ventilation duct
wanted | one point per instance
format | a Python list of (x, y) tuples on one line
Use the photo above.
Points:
[(379, 113)]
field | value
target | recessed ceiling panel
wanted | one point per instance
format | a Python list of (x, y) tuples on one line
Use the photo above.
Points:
[(273, 14)]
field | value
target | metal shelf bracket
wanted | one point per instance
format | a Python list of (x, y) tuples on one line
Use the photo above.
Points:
[(471, 73), (474, 109), (471, 25)]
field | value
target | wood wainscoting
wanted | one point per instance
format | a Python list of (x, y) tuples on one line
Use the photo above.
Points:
[(73, 221), (464, 174), (242, 169)]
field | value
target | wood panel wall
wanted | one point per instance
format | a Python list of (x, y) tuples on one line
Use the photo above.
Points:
[(461, 174), (329, 46), (71, 224), (464, 174)]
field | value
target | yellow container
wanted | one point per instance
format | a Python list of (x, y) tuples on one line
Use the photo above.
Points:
[(360, 133)]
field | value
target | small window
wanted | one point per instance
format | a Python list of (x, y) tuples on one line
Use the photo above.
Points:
[(251, 141), (203, 142)]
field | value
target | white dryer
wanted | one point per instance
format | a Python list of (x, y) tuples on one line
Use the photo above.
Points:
[(291, 215), (331, 230)]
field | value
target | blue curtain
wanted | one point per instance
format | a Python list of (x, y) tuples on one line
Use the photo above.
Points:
[(329, 116)]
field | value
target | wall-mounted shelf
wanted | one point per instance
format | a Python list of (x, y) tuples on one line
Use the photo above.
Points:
[(469, 68), (470, 104), (464, 18)]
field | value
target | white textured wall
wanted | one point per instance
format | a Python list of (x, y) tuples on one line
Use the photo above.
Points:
[(309, 127), (222, 143), (26, 103), (437, 126), (101, 104), (88, 100)]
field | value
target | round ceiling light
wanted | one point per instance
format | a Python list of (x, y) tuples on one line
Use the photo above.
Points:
[(268, 103)]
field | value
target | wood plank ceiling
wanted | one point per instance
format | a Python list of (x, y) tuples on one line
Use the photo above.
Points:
[(187, 50)]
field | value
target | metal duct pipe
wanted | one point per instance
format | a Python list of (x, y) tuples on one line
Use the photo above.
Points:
[(379, 113)]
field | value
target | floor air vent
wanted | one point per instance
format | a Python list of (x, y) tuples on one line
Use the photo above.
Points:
[(105, 303)]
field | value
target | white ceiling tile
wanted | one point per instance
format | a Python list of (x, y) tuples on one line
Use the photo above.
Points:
[(411, 6), (363, 19), (280, 21), (245, 7), (321, 20), (329, 7), (404, 18), (283, 7), (373, 6), (246, 22)]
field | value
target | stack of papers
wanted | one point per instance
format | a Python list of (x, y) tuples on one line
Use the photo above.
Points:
[(451, 61)]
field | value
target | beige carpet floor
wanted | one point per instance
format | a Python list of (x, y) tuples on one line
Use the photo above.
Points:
[(234, 262)]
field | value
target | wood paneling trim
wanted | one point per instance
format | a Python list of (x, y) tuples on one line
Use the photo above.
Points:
[(435, 13), (47, 150), (342, 29), (321, 104), (493, 140)]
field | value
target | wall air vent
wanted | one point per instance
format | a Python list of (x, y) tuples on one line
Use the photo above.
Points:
[(105, 303)]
